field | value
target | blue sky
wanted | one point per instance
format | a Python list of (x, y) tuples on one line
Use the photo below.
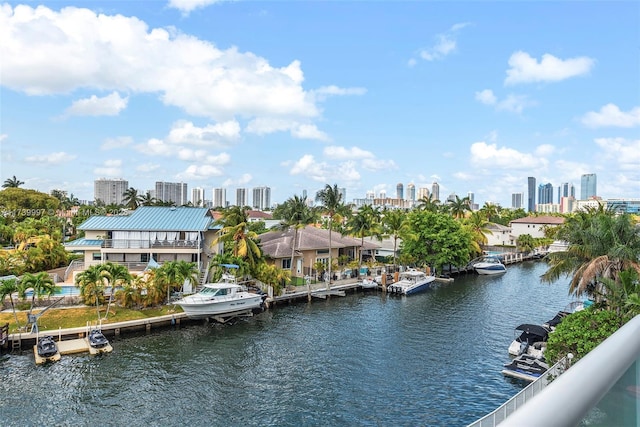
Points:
[(295, 95)]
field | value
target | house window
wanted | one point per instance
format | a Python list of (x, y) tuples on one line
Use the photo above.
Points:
[(322, 251), (97, 256), (144, 257), (286, 264)]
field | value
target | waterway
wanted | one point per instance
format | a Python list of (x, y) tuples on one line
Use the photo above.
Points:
[(367, 359)]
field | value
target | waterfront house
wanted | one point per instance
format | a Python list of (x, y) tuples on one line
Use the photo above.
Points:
[(312, 246), (148, 233), (533, 225), (500, 235)]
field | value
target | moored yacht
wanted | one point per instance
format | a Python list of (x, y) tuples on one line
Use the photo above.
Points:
[(411, 282), (489, 265)]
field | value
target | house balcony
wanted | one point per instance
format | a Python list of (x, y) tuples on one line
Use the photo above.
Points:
[(148, 244)]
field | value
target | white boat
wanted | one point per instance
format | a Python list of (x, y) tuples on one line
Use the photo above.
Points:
[(530, 340), (223, 299), (411, 282), (489, 265)]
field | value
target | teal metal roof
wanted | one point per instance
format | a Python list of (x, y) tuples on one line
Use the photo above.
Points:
[(153, 218), (84, 242)]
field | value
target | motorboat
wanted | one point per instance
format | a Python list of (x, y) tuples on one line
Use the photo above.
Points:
[(411, 282), (47, 347), (97, 339), (369, 283), (489, 265), (526, 367), (224, 298), (531, 340)]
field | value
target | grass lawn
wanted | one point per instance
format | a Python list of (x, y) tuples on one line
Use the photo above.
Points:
[(56, 318)]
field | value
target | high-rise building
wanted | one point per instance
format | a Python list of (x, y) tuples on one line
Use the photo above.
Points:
[(423, 193), (197, 196), (343, 194), (172, 192), (588, 186), (435, 191), (566, 190), (220, 197), (516, 200), (531, 194), (411, 192), (545, 194), (400, 191), (383, 194), (370, 195), (110, 191), (261, 198), (242, 197)]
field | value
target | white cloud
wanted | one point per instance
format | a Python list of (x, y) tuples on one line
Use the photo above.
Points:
[(157, 147), (375, 165), (308, 166), (51, 159), (622, 152), (3, 136), (323, 92), (489, 155), (184, 132), (445, 44), (77, 48), (525, 69), (199, 172), (265, 125), (110, 168), (110, 105), (486, 97), (342, 153), (610, 115), (118, 142), (545, 150), (187, 6), (147, 167), (307, 131)]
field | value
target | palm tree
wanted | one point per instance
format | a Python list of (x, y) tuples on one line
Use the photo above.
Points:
[(477, 223), (117, 276), (331, 198), (131, 198), (365, 222), (428, 203), (147, 199), (459, 207), (490, 211), (92, 283), (296, 214), (235, 232), (12, 182), (601, 245), (7, 288), (395, 225), (40, 284)]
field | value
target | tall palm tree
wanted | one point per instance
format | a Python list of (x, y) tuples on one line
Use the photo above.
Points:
[(396, 226), (296, 214), (365, 222), (477, 223), (235, 232), (12, 182), (490, 211), (40, 284), (331, 199), (117, 276), (92, 283), (601, 245), (429, 203), (458, 207), (7, 288), (131, 198), (147, 199)]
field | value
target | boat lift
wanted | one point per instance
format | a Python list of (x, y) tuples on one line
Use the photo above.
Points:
[(32, 319)]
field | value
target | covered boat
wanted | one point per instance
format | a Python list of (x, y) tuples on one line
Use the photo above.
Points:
[(532, 340)]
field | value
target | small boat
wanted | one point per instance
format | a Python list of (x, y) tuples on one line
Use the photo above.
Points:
[(531, 341), (97, 339), (411, 282), (222, 299), (489, 265), (368, 283), (46, 350), (526, 367)]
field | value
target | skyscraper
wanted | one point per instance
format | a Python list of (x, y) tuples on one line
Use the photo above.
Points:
[(423, 192), (242, 197), (110, 191), (261, 198), (545, 194), (516, 200), (172, 192), (435, 191), (400, 191), (411, 192), (531, 194), (588, 187), (219, 197), (197, 196), (343, 194)]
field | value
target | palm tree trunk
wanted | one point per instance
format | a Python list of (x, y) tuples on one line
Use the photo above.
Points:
[(329, 269)]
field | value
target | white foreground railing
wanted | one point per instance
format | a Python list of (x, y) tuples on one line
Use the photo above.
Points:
[(523, 396), (568, 399)]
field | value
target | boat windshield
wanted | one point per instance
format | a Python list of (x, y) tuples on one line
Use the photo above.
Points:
[(212, 292)]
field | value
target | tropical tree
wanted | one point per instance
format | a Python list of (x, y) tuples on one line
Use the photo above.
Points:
[(429, 203), (296, 214), (458, 207), (235, 233), (525, 243), (12, 182), (131, 199), (331, 199), (117, 276), (40, 284), (478, 224), (274, 276), (147, 199), (92, 283), (601, 245), (7, 288), (365, 222), (395, 225), (490, 211)]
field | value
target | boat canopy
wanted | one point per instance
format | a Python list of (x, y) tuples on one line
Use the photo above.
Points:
[(533, 329), (230, 265)]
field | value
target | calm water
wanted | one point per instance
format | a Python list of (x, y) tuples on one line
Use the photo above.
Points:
[(432, 359)]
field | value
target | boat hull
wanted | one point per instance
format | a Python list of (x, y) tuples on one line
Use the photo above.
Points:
[(490, 269), (200, 309), (410, 289)]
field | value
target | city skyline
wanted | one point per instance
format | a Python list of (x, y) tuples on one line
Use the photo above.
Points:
[(476, 99)]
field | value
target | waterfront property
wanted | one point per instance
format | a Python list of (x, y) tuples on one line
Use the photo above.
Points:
[(148, 233), (534, 226)]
